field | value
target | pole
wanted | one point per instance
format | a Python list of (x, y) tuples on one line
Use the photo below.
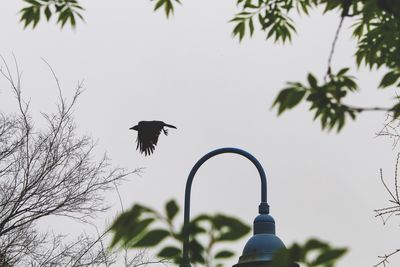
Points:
[(262, 209)]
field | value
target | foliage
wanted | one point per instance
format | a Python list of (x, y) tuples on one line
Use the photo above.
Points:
[(67, 11), (325, 99), (376, 30), (143, 227), (313, 253), (140, 228), (168, 6)]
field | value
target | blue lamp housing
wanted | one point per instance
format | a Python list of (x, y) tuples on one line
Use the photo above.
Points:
[(260, 248)]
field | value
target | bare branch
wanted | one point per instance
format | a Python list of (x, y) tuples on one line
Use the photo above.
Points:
[(394, 194), (385, 258), (50, 171), (390, 129)]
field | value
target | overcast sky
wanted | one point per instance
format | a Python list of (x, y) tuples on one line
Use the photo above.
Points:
[(188, 71)]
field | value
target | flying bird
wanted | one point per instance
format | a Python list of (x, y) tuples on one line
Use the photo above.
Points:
[(148, 133)]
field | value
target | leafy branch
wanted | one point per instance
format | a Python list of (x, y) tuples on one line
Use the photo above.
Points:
[(271, 17), (66, 11), (326, 100), (168, 6), (376, 30), (313, 253), (143, 227)]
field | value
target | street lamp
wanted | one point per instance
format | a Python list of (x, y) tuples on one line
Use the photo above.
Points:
[(259, 250)]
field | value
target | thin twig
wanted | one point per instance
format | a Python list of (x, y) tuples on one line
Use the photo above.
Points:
[(329, 70), (386, 257)]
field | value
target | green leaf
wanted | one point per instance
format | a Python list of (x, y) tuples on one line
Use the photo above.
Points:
[(396, 111), (36, 18), (159, 4), (281, 258), (169, 8), (289, 97), (342, 71), (281, 100), (325, 256), (329, 255), (151, 238), (294, 98), (312, 244), (171, 209), (389, 79), (312, 81), (130, 225), (251, 26), (136, 230), (72, 20), (239, 30), (195, 229), (224, 254), (169, 252), (27, 16), (47, 13), (296, 252), (59, 7), (196, 251), (235, 228)]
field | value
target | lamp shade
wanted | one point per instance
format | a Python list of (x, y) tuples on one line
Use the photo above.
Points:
[(260, 248)]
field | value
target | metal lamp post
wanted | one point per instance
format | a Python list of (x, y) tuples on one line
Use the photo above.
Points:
[(259, 250)]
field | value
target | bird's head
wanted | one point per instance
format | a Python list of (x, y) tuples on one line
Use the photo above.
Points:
[(134, 128)]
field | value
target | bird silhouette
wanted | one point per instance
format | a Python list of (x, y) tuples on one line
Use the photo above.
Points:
[(148, 133)]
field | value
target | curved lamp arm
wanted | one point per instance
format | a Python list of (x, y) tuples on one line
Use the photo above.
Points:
[(262, 209)]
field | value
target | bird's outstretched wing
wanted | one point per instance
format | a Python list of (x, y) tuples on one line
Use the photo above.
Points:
[(147, 137), (148, 133)]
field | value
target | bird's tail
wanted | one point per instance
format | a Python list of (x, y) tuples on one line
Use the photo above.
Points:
[(169, 125)]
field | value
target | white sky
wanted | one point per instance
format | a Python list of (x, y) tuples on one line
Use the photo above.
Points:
[(188, 71)]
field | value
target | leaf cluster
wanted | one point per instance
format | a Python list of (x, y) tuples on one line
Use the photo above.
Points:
[(168, 6), (377, 32), (66, 11), (271, 16), (378, 35), (378, 45), (326, 100), (143, 227), (314, 253)]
